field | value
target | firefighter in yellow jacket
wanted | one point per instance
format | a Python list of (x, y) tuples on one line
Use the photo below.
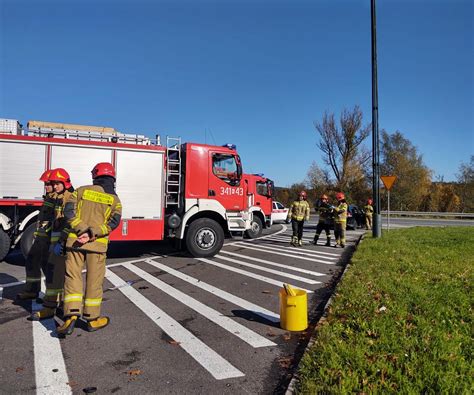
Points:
[(55, 268), (298, 213), (340, 220), (37, 258), (93, 212), (368, 211)]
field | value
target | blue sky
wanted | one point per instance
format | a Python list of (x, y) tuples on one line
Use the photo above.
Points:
[(254, 73)]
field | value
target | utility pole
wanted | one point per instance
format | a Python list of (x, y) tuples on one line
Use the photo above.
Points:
[(377, 223)]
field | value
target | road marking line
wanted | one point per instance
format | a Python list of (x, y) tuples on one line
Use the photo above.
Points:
[(267, 314), (48, 356), (217, 366), (248, 274), (266, 269), (251, 258), (298, 250), (261, 249), (242, 332)]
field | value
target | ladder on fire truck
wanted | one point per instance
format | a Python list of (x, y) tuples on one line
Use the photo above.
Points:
[(173, 171)]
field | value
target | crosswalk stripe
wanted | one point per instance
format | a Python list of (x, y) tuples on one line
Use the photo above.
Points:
[(248, 274), (251, 258), (266, 269), (298, 250), (216, 365), (48, 356), (242, 332), (267, 314), (261, 249)]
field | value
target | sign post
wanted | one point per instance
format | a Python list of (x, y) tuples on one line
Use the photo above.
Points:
[(388, 182)]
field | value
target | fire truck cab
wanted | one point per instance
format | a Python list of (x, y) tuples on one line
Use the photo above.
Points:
[(190, 192), (259, 193)]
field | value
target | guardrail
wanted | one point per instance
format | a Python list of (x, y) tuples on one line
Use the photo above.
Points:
[(428, 214)]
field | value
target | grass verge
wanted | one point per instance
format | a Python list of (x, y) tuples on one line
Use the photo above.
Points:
[(400, 321)]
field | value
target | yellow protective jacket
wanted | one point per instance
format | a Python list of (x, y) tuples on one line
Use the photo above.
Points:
[(340, 213), (91, 210), (46, 216), (299, 210), (325, 213), (59, 226), (368, 210)]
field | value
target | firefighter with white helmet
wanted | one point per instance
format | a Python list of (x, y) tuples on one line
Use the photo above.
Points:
[(324, 223), (340, 220), (368, 211), (55, 270), (37, 258), (298, 213), (93, 212)]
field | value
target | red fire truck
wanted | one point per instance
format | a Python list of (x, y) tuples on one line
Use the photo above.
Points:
[(260, 192), (190, 192)]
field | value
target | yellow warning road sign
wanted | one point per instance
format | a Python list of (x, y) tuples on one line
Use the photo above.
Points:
[(388, 181)]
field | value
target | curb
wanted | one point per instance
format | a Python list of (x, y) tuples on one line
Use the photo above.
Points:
[(291, 390)]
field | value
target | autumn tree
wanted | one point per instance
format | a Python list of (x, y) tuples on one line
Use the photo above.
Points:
[(465, 186), (400, 157), (347, 159)]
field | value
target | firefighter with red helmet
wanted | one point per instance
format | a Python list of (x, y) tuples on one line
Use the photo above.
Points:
[(340, 220), (324, 223), (37, 258), (92, 212), (368, 211), (298, 213), (55, 269)]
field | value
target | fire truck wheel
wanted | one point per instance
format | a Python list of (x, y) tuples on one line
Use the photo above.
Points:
[(205, 238), (27, 239), (4, 244), (255, 229)]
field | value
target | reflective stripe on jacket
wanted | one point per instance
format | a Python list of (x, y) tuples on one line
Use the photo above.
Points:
[(59, 226), (90, 209), (341, 213), (368, 210), (299, 210), (46, 215)]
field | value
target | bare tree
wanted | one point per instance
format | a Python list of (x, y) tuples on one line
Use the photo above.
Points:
[(341, 146)]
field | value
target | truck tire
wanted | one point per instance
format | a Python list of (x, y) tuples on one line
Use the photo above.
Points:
[(256, 228), (4, 244), (27, 238), (204, 238)]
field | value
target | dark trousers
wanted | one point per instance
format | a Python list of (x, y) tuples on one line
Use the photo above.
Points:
[(297, 227), (323, 226)]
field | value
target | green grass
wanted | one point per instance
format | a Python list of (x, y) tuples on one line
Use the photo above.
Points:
[(401, 319)]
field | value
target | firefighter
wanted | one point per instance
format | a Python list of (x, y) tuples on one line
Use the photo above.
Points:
[(37, 258), (298, 213), (368, 211), (340, 219), (93, 212), (55, 269), (325, 216)]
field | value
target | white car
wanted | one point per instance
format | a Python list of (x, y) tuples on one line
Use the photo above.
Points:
[(279, 212)]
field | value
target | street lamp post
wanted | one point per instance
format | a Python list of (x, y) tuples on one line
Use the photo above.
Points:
[(377, 223)]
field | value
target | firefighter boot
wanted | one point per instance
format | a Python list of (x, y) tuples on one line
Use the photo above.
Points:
[(328, 242), (294, 241), (25, 295), (98, 323), (45, 312), (68, 327), (300, 243), (315, 241)]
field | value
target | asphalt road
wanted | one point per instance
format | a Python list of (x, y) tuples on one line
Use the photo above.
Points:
[(178, 324)]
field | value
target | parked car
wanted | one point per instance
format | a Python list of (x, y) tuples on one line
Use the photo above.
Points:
[(279, 212)]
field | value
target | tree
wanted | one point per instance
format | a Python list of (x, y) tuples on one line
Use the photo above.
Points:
[(400, 157), (341, 147), (466, 186)]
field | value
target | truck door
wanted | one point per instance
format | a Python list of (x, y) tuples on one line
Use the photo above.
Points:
[(225, 180)]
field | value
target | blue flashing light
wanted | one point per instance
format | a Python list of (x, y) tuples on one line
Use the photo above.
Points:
[(259, 174), (230, 146)]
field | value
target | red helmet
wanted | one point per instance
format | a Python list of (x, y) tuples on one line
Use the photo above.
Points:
[(103, 169), (60, 175), (340, 196), (324, 196), (303, 193), (369, 201), (45, 176)]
